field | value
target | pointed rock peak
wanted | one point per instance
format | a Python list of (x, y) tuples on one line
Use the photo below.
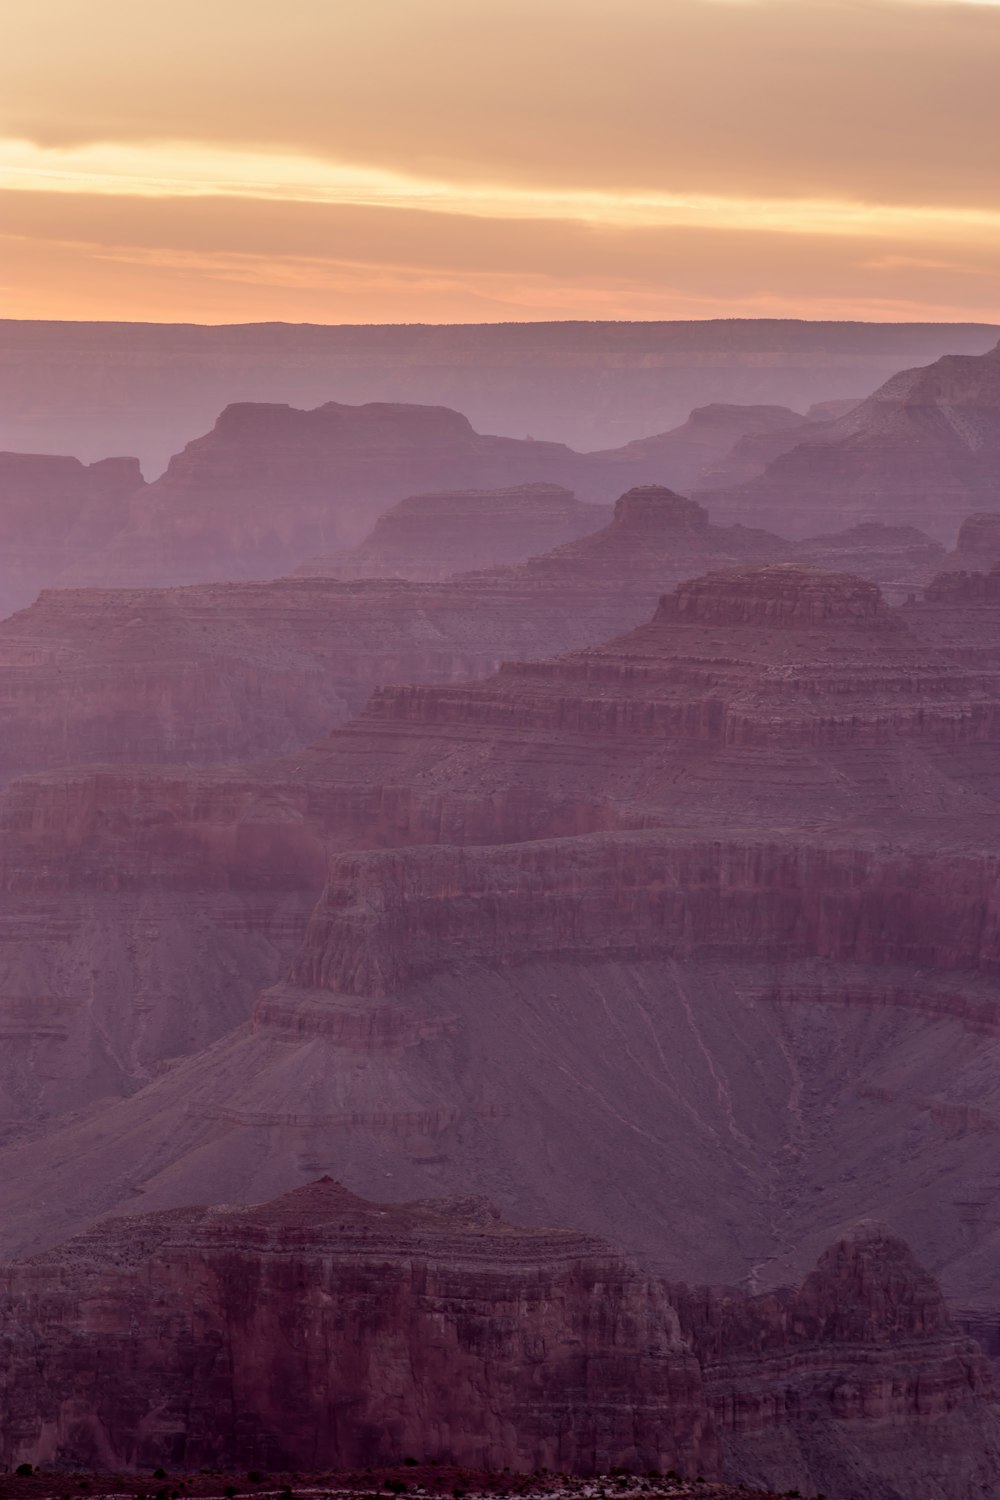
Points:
[(869, 1232), (313, 1201), (781, 594), (654, 508), (869, 1286)]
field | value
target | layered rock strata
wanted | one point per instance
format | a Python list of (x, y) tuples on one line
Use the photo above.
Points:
[(765, 699), (705, 908), (321, 1330), (224, 672)]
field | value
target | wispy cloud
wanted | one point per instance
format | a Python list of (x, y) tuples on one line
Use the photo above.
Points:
[(184, 170)]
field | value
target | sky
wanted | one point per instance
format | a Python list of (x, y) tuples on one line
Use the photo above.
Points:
[(358, 161)]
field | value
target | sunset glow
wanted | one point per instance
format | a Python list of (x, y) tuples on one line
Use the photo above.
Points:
[(704, 157)]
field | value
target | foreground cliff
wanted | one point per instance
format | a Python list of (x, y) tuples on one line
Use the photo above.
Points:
[(324, 1330), (321, 1330)]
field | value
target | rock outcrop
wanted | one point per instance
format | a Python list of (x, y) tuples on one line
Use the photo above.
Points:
[(55, 511), (430, 537), (322, 1330), (924, 451), (853, 1384)]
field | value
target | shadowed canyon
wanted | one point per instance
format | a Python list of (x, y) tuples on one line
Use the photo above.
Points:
[(499, 941)]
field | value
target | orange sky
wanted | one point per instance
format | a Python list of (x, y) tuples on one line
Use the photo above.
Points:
[(474, 160)]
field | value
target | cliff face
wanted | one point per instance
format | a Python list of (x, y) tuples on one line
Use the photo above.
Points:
[(320, 1330), (853, 1383), (782, 707), (54, 511), (977, 546), (430, 537), (388, 919), (923, 451), (326, 1331), (227, 672)]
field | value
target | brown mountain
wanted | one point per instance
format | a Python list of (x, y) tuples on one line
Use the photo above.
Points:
[(924, 450), (322, 1330)]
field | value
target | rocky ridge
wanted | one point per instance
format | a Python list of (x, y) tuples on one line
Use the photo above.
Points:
[(92, 388), (271, 486), (343, 1332), (923, 450), (685, 455), (233, 671)]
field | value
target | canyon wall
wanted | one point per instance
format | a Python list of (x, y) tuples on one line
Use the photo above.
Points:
[(323, 1331)]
